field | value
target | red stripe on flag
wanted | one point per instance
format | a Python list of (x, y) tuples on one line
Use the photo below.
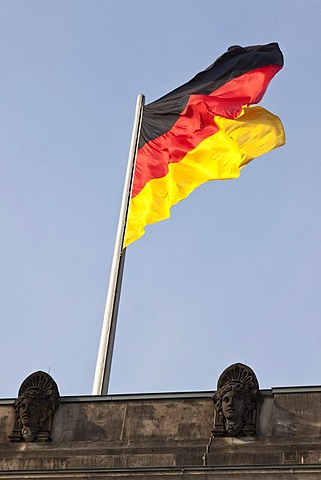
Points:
[(197, 123)]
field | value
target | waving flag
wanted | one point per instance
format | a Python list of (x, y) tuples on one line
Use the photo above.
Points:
[(204, 130)]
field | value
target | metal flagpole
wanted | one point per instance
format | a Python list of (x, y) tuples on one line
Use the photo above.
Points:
[(107, 339)]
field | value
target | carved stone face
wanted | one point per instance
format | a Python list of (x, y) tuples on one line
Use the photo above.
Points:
[(236, 402), (38, 399), (30, 413), (233, 406)]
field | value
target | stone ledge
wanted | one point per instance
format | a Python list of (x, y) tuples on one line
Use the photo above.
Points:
[(262, 472)]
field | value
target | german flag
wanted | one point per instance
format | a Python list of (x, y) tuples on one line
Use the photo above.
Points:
[(203, 130)]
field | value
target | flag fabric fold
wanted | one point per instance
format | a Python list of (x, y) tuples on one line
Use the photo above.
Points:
[(204, 130)]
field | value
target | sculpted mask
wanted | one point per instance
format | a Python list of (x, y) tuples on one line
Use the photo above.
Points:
[(37, 401), (236, 401)]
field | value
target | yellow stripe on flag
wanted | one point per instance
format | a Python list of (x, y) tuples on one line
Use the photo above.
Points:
[(218, 157)]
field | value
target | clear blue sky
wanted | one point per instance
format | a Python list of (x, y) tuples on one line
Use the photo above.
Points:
[(234, 275)]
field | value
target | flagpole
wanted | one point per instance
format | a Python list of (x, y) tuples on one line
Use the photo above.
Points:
[(107, 338)]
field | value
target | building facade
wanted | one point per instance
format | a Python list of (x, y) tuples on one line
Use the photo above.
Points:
[(264, 434)]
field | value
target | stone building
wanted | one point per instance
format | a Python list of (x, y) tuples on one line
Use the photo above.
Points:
[(246, 433)]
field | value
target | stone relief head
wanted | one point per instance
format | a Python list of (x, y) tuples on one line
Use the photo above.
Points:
[(236, 402), (38, 399)]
